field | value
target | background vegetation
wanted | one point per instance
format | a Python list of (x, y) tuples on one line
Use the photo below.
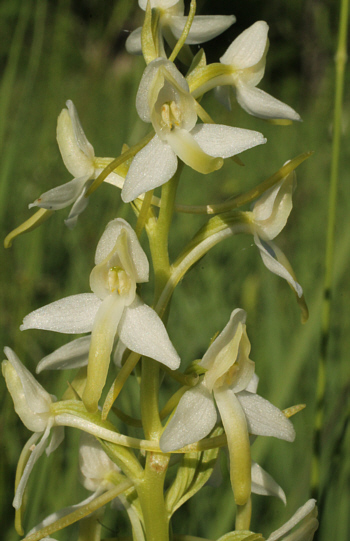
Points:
[(54, 50)]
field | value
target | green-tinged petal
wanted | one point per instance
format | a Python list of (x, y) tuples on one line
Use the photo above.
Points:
[(188, 150), (203, 28), (235, 425), (94, 464), (153, 166), (36, 453), (264, 419), (71, 315), (142, 331), (107, 244), (222, 141), (264, 484), (248, 48), (32, 223), (258, 103), (72, 355), (242, 535), (308, 512), (222, 353), (272, 209), (102, 338), (62, 196), (31, 401), (194, 417), (78, 207), (77, 153)]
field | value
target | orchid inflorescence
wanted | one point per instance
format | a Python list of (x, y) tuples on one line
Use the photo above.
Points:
[(216, 404)]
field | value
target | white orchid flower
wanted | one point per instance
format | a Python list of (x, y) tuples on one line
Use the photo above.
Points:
[(32, 404), (113, 308), (79, 158), (172, 21), (243, 68), (268, 217), (164, 99), (306, 517), (229, 380), (98, 474)]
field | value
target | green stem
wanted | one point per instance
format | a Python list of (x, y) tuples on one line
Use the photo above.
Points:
[(340, 61), (151, 496)]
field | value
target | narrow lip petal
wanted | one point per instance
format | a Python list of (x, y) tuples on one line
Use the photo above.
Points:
[(235, 425), (72, 355), (248, 48), (194, 417), (203, 28), (61, 196), (142, 331), (102, 339), (264, 419), (71, 315), (298, 516), (222, 141), (189, 151), (153, 166), (260, 104)]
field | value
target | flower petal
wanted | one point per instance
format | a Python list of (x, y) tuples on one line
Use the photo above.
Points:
[(203, 28), (77, 153), (222, 141), (153, 80), (248, 48), (34, 457), (264, 419), (31, 401), (133, 42), (153, 166), (235, 425), (102, 339), (79, 206), (264, 484), (194, 418), (272, 209), (71, 315), (189, 151), (72, 355), (94, 464), (61, 196), (162, 4), (142, 331), (301, 513), (258, 103), (107, 243), (276, 262)]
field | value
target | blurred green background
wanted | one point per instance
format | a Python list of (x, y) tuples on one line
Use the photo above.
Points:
[(54, 50)]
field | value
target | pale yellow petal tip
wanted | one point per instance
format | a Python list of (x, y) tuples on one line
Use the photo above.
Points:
[(32, 223), (18, 522), (293, 410)]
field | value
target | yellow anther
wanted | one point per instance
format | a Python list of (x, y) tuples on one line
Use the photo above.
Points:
[(171, 115), (118, 280)]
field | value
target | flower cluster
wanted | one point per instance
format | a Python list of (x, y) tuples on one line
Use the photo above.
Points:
[(216, 403)]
